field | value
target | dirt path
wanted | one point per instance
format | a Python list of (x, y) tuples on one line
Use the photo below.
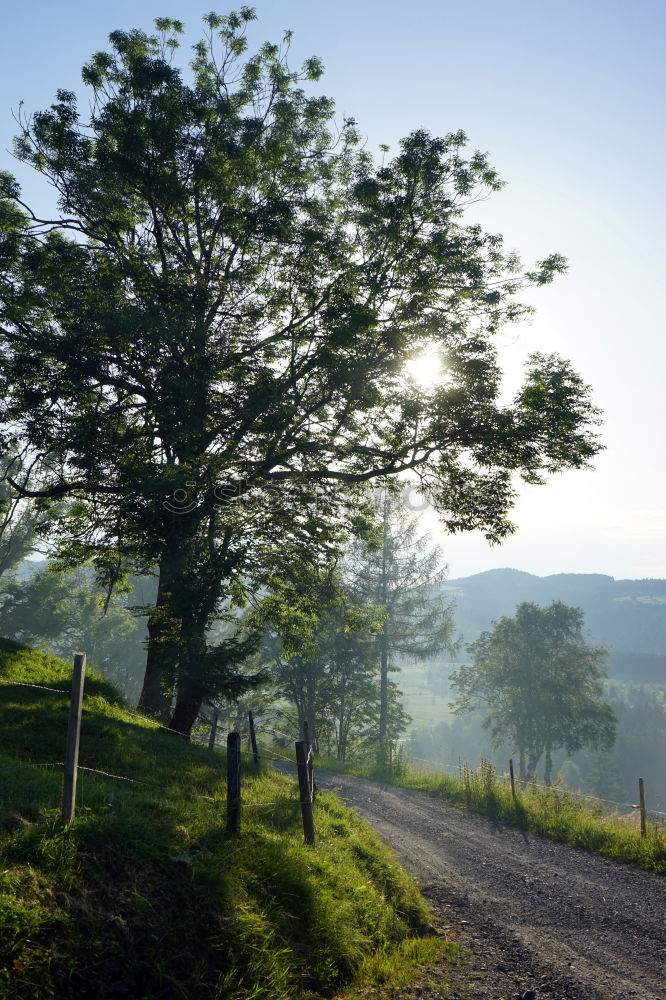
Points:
[(536, 915)]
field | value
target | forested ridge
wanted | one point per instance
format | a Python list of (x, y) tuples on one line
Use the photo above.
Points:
[(628, 616)]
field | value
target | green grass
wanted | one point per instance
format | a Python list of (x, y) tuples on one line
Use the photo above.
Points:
[(549, 812), (145, 896), (391, 969)]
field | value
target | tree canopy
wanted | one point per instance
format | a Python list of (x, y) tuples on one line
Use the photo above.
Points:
[(540, 682), (205, 347)]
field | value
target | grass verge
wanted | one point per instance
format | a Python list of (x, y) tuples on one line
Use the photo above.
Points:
[(549, 812), (145, 896)]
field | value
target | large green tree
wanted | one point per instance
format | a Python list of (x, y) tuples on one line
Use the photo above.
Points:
[(205, 345), (541, 684)]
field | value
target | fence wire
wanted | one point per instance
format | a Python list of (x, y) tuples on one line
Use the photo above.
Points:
[(39, 687), (269, 753), (458, 769), (29, 763)]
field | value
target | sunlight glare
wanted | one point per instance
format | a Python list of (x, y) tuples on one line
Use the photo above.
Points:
[(425, 368)]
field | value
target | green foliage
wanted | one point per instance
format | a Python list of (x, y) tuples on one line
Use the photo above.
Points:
[(210, 344), (402, 575), (61, 612), (640, 747), (22, 521), (540, 684), (339, 630), (321, 655), (144, 896)]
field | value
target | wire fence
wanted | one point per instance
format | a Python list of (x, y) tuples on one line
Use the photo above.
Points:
[(270, 754), (533, 783)]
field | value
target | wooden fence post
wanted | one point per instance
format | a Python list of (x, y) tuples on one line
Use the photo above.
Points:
[(513, 780), (641, 792), (73, 736), (213, 730), (304, 789), (308, 751), (233, 782), (253, 739)]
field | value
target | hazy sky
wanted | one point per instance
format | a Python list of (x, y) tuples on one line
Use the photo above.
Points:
[(568, 99)]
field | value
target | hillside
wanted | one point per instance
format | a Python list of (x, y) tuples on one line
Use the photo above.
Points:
[(145, 895), (629, 616)]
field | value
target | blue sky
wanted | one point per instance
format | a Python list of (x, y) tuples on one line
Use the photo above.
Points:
[(568, 99)]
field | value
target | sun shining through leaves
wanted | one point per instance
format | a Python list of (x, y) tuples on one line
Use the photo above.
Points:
[(425, 368)]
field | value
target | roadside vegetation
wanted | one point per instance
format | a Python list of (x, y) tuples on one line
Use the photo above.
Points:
[(144, 895), (547, 811)]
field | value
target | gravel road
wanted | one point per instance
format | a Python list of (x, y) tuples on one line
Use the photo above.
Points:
[(536, 915)]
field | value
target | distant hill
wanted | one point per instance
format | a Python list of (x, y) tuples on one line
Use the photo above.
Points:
[(628, 616)]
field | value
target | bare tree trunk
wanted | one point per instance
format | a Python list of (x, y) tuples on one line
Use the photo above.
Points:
[(549, 766)]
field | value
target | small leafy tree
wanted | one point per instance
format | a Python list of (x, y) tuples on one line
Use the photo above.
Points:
[(540, 683), (349, 689), (321, 654)]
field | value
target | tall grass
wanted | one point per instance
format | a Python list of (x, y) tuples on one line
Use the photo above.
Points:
[(550, 812)]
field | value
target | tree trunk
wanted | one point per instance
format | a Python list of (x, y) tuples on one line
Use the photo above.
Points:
[(192, 574), (198, 587), (549, 767), (185, 715), (190, 692), (383, 700), (154, 700), (384, 648), (311, 701), (341, 730), (163, 648), (522, 774), (295, 690)]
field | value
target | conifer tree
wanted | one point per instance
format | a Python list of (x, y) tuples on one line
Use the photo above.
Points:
[(402, 575)]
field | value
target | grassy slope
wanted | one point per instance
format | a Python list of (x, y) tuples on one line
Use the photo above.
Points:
[(548, 812), (144, 896)]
